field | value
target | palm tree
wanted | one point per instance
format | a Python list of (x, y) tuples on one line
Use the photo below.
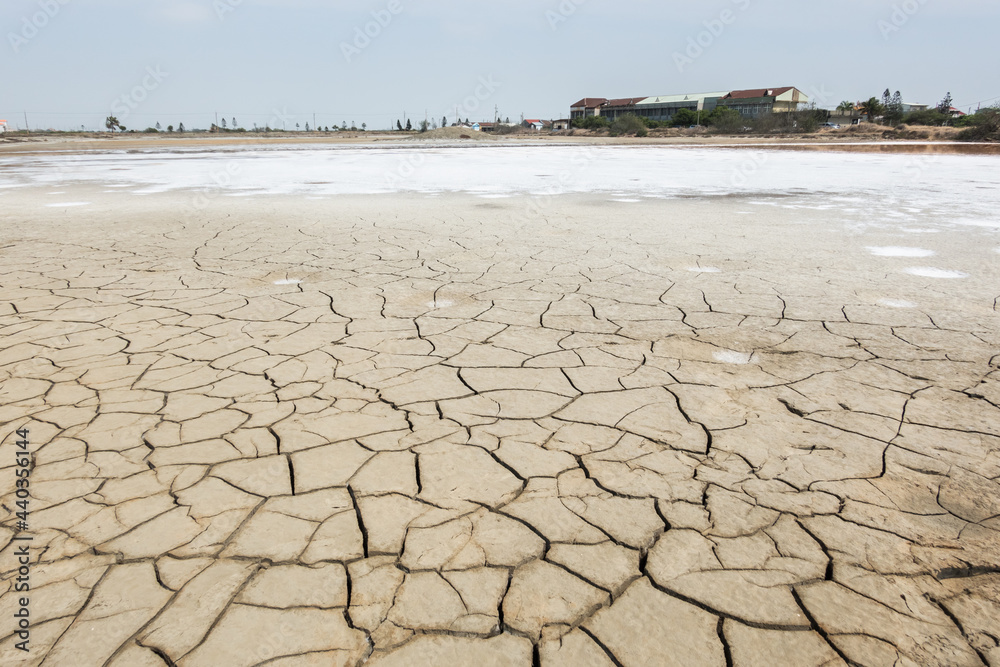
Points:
[(111, 123), (846, 106), (872, 108)]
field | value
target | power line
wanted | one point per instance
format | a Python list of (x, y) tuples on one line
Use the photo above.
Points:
[(991, 99)]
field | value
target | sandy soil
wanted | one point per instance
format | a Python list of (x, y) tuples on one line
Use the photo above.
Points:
[(453, 431), (863, 139)]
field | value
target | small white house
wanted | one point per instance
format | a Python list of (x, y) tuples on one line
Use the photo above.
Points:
[(3, 126)]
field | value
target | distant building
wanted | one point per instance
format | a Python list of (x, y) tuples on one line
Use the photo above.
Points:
[(588, 106), (3, 126), (562, 124), (537, 125), (909, 108), (764, 101), (750, 103), (665, 107)]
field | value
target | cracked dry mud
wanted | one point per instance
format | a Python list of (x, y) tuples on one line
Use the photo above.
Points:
[(471, 436)]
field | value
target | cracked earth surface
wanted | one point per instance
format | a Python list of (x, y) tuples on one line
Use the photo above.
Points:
[(436, 431)]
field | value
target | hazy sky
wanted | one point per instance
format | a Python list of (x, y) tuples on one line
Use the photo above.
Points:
[(74, 62)]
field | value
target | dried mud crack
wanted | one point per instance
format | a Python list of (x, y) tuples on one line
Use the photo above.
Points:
[(414, 431)]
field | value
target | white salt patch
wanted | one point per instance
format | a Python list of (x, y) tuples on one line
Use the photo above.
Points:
[(69, 203), (915, 230), (931, 272), (704, 269), (287, 282), (896, 303), (896, 251), (494, 196), (624, 200), (733, 357), (440, 304), (56, 193), (968, 222)]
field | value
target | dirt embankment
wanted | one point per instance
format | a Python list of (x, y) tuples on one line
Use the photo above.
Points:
[(849, 138)]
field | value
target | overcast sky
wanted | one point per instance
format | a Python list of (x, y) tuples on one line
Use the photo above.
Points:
[(73, 62)]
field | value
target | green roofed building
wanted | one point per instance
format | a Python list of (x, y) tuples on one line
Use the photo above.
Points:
[(750, 103)]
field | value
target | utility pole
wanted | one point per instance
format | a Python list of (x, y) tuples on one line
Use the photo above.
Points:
[(26, 127), (314, 122)]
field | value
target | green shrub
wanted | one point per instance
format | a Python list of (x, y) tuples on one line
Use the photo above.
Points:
[(684, 118), (592, 123), (628, 125), (928, 117), (725, 120), (984, 125)]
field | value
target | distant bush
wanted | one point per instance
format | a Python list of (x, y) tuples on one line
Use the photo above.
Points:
[(684, 118), (592, 123), (725, 120), (984, 125), (928, 117), (628, 125), (509, 129), (808, 120)]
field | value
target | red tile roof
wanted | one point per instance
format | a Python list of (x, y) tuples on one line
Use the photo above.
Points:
[(590, 102), (759, 92), (625, 102)]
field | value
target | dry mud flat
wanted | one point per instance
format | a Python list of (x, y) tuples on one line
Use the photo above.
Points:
[(413, 430)]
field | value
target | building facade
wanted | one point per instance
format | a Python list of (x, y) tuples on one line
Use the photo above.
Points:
[(764, 101), (749, 103)]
